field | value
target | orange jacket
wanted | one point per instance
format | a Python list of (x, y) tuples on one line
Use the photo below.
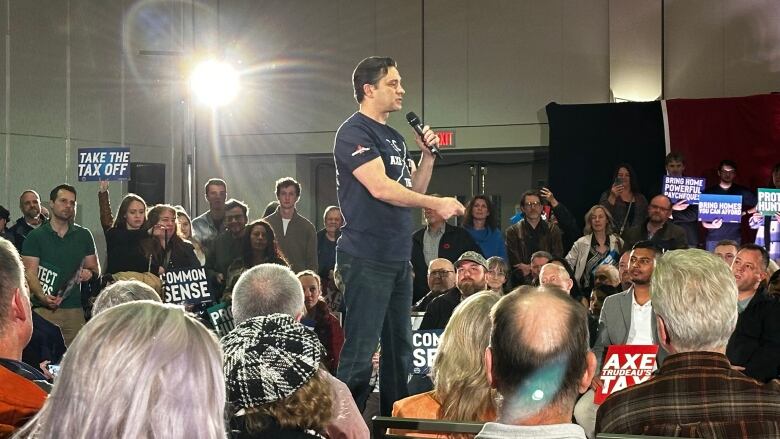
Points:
[(20, 399)]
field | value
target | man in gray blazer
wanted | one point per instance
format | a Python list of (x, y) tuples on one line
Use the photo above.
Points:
[(626, 318)]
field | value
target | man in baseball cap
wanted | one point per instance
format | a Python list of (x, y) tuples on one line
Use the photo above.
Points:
[(470, 270)]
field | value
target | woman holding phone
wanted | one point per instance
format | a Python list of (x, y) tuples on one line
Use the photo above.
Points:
[(623, 200)]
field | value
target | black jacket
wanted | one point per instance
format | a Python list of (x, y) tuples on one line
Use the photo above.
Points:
[(755, 342), (454, 242), (440, 310), (669, 237), (18, 232)]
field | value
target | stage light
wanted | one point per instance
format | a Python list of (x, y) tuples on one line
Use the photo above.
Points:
[(214, 83)]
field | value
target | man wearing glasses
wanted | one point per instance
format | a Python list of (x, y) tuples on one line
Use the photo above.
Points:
[(657, 227), (529, 236), (470, 271), (441, 278), (718, 230)]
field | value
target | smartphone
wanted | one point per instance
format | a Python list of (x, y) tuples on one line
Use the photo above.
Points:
[(539, 185), (54, 369), (618, 181)]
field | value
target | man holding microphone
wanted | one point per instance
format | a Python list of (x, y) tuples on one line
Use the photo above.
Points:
[(376, 187)]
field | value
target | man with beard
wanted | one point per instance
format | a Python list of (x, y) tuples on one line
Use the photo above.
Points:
[(657, 227), (625, 318), (57, 257), (625, 276), (754, 346), (441, 278), (227, 246), (470, 269), (529, 236), (32, 218)]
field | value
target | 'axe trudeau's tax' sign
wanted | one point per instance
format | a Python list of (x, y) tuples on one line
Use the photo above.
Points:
[(111, 163), (187, 286), (425, 344), (624, 366)]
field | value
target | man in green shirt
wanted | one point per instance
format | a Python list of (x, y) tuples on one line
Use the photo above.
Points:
[(57, 257)]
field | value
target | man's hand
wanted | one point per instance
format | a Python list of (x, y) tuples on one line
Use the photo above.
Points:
[(596, 384), (714, 224), (738, 368), (548, 195), (680, 205), (448, 207), (524, 268), (52, 302), (430, 139)]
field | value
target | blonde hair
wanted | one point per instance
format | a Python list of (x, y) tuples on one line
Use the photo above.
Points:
[(609, 230), (138, 370), (310, 407), (459, 375)]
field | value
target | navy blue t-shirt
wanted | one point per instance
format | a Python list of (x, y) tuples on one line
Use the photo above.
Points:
[(372, 228), (731, 230)]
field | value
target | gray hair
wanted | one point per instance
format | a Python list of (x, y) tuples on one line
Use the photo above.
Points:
[(123, 291), (267, 289), (11, 277), (562, 272), (696, 295), (541, 254), (130, 369), (611, 271)]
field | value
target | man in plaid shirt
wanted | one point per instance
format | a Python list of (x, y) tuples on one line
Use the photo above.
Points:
[(696, 392)]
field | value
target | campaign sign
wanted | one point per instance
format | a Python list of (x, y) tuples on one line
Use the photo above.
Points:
[(684, 188), (425, 344), (725, 207), (110, 163), (188, 286), (768, 201), (221, 318), (624, 366)]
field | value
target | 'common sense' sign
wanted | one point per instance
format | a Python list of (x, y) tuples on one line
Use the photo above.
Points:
[(425, 344), (188, 286)]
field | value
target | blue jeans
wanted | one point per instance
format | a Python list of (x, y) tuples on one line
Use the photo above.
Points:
[(378, 297)]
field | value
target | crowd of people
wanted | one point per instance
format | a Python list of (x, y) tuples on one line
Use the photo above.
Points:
[(323, 318)]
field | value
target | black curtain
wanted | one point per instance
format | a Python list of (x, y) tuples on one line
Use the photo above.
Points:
[(587, 142)]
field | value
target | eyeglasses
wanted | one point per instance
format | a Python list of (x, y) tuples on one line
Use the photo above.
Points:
[(533, 204), (440, 273)]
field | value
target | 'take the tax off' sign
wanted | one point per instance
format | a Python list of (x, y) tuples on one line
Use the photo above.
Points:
[(112, 163)]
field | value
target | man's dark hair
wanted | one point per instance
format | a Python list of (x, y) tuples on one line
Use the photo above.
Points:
[(727, 163), (288, 181), (674, 157), (534, 193), (517, 363), (63, 186), (233, 203), (214, 182), (758, 248), (370, 71), (491, 223), (649, 245), (727, 242), (776, 167), (607, 289)]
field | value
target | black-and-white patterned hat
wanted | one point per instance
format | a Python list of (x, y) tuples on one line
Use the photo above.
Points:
[(268, 358)]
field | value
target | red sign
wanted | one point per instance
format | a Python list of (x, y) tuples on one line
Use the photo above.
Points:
[(446, 138), (624, 366)]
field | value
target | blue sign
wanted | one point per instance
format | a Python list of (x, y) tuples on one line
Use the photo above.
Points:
[(727, 208), (425, 344), (188, 286), (684, 188), (111, 163)]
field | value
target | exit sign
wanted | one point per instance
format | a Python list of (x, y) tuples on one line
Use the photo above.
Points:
[(446, 138)]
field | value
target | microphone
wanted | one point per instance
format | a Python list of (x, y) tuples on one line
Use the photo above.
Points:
[(417, 125)]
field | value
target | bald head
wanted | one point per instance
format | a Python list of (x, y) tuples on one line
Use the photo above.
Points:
[(441, 275), (539, 358)]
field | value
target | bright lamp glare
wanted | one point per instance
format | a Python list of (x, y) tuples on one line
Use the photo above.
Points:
[(214, 83)]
